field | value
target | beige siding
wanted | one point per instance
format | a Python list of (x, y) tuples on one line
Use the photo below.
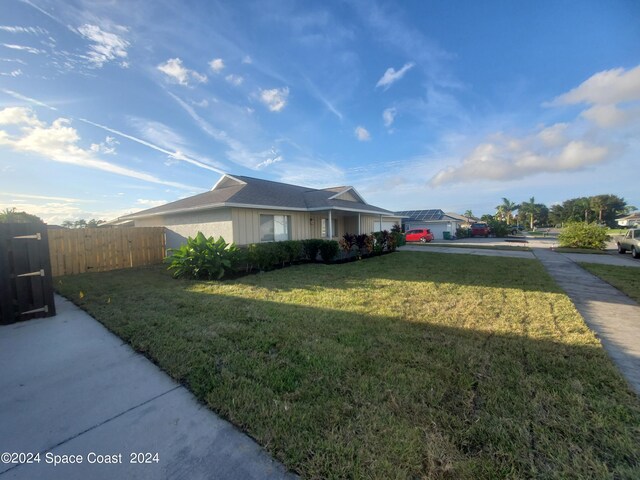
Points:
[(348, 196), (246, 224), (212, 223), (351, 225)]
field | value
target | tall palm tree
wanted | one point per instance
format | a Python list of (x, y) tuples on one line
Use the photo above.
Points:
[(469, 215), (531, 209), (509, 207)]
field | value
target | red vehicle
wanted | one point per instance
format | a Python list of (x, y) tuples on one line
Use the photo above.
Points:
[(423, 235), (479, 229)]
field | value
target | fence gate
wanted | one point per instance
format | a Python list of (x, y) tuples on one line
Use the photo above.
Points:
[(26, 287)]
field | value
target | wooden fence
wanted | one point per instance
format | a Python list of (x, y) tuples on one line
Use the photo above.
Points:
[(102, 249)]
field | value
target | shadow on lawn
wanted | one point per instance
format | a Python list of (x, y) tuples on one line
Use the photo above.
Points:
[(498, 272), (338, 393)]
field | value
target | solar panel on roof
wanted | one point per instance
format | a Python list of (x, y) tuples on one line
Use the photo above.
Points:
[(422, 215)]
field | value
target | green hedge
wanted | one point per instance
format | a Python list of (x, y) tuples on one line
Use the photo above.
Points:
[(207, 258)]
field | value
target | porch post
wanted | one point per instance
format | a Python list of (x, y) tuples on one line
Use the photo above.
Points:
[(381, 223), (330, 226), (359, 224)]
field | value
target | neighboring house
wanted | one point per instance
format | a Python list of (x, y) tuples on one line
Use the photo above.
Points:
[(246, 210), (629, 221), (435, 220)]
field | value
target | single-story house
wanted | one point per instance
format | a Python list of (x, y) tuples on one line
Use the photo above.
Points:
[(435, 220), (246, 210), (629, 221)]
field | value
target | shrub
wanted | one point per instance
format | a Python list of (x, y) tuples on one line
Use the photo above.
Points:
[(463, 232), (347, 243), (499, 228), (583, 235), (311, 247), (399, 237), (328, 250), (203, 258), (293, 250)]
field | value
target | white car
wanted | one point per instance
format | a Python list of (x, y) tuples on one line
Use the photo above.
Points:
[(631, 242)]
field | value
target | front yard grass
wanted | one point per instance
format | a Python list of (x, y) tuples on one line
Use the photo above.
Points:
[(625, 279), (410, 365)]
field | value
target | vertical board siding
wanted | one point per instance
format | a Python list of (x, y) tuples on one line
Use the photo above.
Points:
[(246, 224), (103, 249)]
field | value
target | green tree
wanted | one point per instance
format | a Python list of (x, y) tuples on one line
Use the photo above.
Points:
[(11, 215), (469, 215), (507, 207), (529, 210)]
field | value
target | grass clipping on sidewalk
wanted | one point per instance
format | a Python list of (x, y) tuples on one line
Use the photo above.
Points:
[(404, 366)]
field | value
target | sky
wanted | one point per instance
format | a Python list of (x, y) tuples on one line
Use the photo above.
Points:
[(112, 107)]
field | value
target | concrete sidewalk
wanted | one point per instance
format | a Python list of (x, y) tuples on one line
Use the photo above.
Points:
[(70, 387), (468, 251), (613, 316)]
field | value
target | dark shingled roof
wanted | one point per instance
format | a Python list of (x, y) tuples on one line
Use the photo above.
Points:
[(254, 192)]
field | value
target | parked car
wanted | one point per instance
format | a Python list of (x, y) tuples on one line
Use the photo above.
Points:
[(631, 242), (423, 235), (515, 229), (479, 229)]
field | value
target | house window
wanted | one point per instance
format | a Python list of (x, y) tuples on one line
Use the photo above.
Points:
[(275, 228), (324, 229)]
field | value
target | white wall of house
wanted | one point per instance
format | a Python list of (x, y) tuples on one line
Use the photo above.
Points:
[(437, 227), (212, 223), (386, 225)]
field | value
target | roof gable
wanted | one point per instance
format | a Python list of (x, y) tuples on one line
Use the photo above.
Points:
[(248, 192)]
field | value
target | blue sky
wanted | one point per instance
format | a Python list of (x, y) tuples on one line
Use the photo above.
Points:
[(110, 107)]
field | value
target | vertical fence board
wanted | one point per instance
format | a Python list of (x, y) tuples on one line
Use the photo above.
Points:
[(103, 249)]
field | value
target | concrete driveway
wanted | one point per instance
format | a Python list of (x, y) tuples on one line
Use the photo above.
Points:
[(71, 390)]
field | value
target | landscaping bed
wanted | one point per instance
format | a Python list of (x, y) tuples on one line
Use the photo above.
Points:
[(409, 365)]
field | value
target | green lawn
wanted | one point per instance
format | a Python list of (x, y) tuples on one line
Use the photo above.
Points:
[(588, 251), (625, 279), (410, 365)]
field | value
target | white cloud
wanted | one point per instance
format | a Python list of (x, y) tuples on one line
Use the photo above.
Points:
[(176, 154), (27, 99), (510, 158), (247, 59), (59, 142), (216, 65), (18, 116), (389, 115), (235, 80), (13, 60), (609, 116), (391, 76), (31, 30), (606, 88), (600, 133), (12, 73), (275, 99), (362, 134), (22, 48), (143, 202), (108, 147), (106, 46), (174, 69)]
